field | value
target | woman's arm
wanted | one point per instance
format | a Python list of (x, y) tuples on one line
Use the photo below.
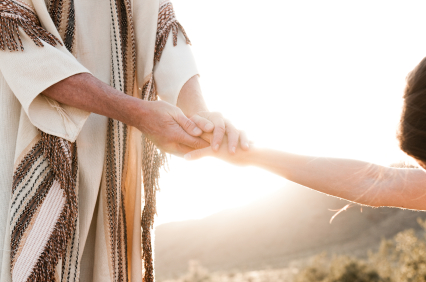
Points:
[(356, 181)]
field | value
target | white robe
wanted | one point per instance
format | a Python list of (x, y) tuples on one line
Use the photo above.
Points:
[(23, 109)]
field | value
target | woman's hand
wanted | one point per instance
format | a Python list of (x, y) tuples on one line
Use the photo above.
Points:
[(221, 128), (192, 103), (239, 157)]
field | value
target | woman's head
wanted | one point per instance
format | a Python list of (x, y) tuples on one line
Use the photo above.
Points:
[(412, 131)]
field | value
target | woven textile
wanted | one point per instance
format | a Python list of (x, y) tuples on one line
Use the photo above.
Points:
[(44, 205)]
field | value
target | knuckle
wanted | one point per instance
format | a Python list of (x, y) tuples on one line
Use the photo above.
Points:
[(230, 127), (234, 138), (220, 129), (179, 137), (203, 114), (195, 117), (218, 114), (195, 144), (188, 123)]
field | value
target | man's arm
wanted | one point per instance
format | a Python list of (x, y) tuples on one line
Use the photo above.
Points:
[(163, 123)]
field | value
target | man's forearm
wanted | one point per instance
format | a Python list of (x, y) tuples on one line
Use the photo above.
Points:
[(166, 125), (86, 92)]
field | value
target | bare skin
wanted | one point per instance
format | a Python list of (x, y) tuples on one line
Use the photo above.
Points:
[(166, 125), (193, 105), (353, 180)]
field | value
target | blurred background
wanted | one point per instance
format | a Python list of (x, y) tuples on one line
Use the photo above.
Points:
[(322, 78)]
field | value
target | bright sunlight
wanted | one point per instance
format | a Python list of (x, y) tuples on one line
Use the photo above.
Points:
[(318, 78)]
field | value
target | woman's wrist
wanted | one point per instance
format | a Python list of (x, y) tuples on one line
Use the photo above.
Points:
[(252, 155)]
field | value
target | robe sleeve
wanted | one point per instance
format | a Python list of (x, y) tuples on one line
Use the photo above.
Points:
[(175, 68), (30, 71)]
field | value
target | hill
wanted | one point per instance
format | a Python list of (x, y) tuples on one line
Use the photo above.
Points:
[(292, 223)]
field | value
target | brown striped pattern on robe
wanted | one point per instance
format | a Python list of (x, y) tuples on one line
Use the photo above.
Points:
[(44, 204)]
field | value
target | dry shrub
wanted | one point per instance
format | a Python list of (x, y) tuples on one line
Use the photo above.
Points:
[(338, 269), (401, 259), (197, 273)]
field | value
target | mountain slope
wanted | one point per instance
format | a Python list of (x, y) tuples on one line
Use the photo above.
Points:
[(292, 223)]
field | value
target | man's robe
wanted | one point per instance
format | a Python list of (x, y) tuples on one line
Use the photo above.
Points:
[(24, 110)]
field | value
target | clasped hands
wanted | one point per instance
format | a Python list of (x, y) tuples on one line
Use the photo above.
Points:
[(171, 131)]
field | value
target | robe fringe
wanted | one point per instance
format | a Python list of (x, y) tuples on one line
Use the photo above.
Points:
[(14, 15), (52, 162), (153, 160), (167, 22), (63, 16), (61, 156)]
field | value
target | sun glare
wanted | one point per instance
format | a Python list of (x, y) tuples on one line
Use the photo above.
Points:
[(311, 77)]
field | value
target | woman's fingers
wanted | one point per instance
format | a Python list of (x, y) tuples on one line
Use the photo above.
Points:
[(208, 137), (213, 122), (198, 154), (219, 131), (244, 141), (233, 136), (188, 125), (191, 141)]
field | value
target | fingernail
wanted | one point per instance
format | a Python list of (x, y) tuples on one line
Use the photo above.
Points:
[(247, 145), (209, 126), (197, 130), (216, 147), (187, 157), (233, 150)]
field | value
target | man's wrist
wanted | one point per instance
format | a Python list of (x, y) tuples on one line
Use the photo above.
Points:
[(138, 114)]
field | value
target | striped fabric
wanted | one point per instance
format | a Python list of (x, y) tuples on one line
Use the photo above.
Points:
[(44, 204), (44, 221)]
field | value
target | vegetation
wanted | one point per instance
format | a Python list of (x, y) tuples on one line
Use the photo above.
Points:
[(400, 259)]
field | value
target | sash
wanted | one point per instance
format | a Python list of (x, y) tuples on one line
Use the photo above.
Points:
[(44, 203)]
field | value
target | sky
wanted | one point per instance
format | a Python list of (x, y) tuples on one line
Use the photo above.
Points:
[(322, 78)]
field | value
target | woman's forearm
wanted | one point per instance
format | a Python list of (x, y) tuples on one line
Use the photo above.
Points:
[(353, 180), (361, 182)]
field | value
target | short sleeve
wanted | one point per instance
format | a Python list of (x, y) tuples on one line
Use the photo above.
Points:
[(175, 63), (176, 67), (29, 72)]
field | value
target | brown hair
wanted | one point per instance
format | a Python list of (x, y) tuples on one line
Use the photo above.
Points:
[(412, 130)]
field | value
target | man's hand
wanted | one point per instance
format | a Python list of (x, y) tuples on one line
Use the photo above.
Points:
[(163, 123), (169, 129), (216, 123)]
